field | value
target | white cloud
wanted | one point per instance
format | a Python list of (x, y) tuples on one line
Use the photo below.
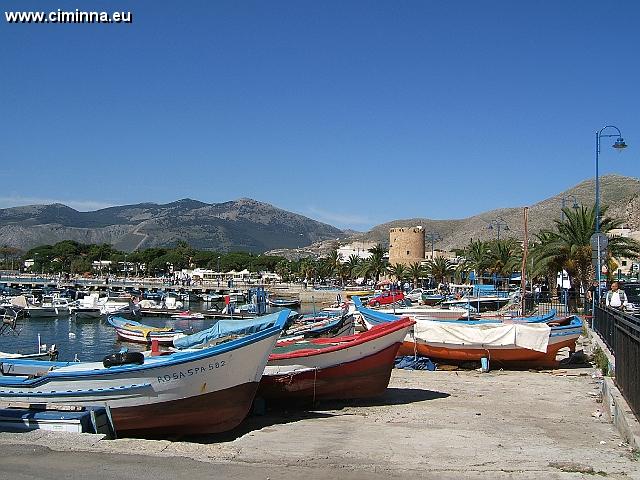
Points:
[(340, 218), (82, 205)]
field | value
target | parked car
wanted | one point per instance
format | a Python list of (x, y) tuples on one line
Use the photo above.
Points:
[(385, 298), (415, 295)]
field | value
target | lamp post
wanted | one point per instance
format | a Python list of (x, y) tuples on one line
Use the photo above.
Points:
[(218, 270), (433, 237), (498, 223), (575, 205), (619, 145)]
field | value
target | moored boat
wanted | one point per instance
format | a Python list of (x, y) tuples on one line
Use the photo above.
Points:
[(87, 307), (335, 325), (131, 331), (421, 312), (49, 307), (188, 315), (201, 391), (283, 302)]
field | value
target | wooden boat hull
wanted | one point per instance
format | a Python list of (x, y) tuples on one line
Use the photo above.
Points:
[(358, 366), (163, 339), (512, 357), (198, 391), (205, 414), (362, 378), (87, 314), (131, 331)]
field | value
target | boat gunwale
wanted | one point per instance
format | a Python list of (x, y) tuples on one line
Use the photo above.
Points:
[(164, 361), (341, 343)]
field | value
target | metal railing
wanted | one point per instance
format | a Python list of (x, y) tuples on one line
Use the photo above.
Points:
[(565, 303), (621, 333)]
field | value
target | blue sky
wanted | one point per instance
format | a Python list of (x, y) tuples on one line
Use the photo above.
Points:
[(352, 113)]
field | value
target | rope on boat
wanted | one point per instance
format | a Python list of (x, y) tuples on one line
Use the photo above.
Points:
[(315, 376)]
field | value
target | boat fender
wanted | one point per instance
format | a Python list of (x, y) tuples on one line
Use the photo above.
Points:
[(123, 358)]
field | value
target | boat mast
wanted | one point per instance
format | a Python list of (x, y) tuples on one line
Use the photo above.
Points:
[(525, 251)]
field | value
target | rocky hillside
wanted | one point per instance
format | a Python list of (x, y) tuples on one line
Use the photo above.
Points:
[(243, 224), (249, 225), (621, 194)]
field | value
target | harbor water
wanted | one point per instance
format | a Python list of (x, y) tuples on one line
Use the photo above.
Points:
[(92, 339)]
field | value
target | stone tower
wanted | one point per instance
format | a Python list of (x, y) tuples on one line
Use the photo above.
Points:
[(406, 245)]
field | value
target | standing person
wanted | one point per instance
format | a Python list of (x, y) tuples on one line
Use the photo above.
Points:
[(616, 298)]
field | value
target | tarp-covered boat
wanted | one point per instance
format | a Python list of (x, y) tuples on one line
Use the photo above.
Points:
[(513, 344)]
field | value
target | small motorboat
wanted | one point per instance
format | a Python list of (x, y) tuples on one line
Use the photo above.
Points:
[(43, 353), (188, 315), (131, 331), (283, 302), (87, 307)]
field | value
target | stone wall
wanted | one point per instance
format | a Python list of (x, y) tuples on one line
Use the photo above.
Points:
[(406, 245)]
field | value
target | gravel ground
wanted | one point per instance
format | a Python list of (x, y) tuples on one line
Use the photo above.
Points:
[(443, 424)]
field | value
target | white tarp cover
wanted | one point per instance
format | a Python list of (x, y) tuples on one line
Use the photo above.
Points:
[(530, 336)]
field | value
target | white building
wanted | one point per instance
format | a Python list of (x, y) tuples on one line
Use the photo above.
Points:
[(359, 249), (626, 265)]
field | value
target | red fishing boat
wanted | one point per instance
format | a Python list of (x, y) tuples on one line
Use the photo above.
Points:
[(354, 366)]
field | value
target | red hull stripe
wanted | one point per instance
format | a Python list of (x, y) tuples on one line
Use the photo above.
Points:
[(366, 377)]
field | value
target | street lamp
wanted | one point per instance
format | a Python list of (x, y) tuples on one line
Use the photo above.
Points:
[(498, 223), (575, 205), (433, 237), (619, 145)]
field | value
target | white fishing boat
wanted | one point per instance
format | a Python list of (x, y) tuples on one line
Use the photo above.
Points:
[(87, 307), (41, 353), (424, 312), (199, 391), (50, 306), (118, 304)]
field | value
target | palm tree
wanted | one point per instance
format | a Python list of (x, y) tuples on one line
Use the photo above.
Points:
[(307, 269), (334, 262), (282, 269), (398, 270), (569, 246), (416, 271), (440, 269), (352, 265), (375, 264), (505, 257), (544, 265), (476, 258)]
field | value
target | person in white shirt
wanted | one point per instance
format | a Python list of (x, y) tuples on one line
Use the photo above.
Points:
[(616, 298)]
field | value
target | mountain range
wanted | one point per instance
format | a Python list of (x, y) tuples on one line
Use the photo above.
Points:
[(249, 225), (243, 224)]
